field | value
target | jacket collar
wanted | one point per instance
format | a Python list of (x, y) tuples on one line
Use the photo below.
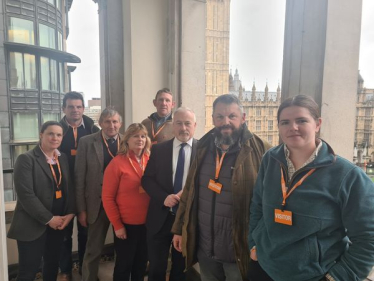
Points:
[(88, 123), (326, 156)]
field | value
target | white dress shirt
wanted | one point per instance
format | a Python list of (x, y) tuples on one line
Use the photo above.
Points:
[(187, 159)]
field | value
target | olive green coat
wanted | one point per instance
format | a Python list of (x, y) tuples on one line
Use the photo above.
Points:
[(243, 180)]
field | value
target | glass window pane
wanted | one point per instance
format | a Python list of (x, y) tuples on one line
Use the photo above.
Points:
[(62, 78), (18, 150), (50, 116), (21, 31), (25, 126), (59, 41), (30, 71), (44, 66), (51, 1), (47, 37), (58, 2), (54, 81), (16, 70)]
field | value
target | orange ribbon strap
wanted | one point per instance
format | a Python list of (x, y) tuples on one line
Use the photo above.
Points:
[(284, 188), (154, 134), (141, 166), (107, 147), (58, 183), (219, 162)]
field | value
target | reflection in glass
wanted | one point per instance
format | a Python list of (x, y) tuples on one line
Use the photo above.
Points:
[(30, 71), (44, 66), (50, 116), (47, 37), (54, 81), (62, 78), (16, 70), (59, 41), (25, 126), (18, 150), (21, 31)]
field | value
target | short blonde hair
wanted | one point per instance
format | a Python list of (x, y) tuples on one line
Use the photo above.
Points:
[(130, 131)]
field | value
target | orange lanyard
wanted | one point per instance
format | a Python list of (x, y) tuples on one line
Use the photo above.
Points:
[(75, 134), (158, 131), (141, 166), (58, 183), (219, 162), (107, 147), (284, 188)]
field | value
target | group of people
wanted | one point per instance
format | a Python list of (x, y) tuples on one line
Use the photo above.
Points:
[(241, 209)]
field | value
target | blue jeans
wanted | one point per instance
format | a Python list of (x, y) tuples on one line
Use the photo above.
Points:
[(66, 260)]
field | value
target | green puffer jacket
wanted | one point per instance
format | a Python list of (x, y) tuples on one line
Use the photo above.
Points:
[(243, 179)]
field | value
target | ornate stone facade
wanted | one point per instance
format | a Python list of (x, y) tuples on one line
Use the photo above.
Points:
[(364, 138), (260, 108)]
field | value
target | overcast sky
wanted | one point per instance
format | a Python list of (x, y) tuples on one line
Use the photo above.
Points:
[(256, 43)]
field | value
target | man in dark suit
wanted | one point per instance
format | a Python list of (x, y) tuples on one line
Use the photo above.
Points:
[(94, 154), (163, 180)]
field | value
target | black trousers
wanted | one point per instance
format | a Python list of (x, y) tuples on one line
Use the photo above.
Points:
[(158, 253), (30, 254), (256, 273), (66, 260), (131, 254)]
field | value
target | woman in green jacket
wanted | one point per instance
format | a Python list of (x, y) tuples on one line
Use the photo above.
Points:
[(312, 212)]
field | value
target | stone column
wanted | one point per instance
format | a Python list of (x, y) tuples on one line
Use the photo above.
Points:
[(320, 59), (3, 244)]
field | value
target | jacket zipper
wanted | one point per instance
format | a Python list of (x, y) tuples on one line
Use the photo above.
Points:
[(212, 222)]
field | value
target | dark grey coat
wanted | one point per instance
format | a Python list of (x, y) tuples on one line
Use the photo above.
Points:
[(34, 183)]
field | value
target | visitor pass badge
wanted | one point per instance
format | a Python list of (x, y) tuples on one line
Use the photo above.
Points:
[(283, 217), (215, 186)]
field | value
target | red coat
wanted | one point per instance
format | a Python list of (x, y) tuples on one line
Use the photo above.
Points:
[(124, 199)]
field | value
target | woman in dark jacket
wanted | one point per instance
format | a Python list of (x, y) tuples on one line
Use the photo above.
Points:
[(45, 205)]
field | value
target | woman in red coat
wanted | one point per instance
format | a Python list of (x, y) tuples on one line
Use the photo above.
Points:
[(126, 203)]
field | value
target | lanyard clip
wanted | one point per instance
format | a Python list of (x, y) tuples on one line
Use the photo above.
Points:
[(283, 206)]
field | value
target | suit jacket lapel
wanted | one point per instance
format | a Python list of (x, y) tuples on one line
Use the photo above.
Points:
[(98, 144), (40, 158), (169, 163)]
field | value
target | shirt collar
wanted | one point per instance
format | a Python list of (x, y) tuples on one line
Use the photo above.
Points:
[(49, 159), (177, 143), (81, 124), (291, 167), (107, 138)]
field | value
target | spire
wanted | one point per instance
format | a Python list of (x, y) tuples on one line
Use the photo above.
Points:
[(240, 92), (231, 83), (266, 97), (253, 98), (278, 92)]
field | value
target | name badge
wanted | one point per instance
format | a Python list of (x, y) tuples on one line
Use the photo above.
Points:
[(58, 194), (154, 142), (283, 217), (141, 189), (215, 186), (73, 152)]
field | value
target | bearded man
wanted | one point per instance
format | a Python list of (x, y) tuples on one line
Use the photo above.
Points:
[(211, 225)]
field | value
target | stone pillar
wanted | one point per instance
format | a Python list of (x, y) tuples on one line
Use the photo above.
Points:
[(320, 59), (3, 244), (193, 15), (111, 54)]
